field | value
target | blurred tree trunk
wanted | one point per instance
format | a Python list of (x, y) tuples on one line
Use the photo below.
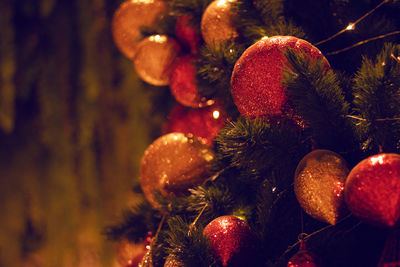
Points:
[(73, 126)]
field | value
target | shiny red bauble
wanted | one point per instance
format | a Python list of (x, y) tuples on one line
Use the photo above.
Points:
[(256, 83), (183, 83), (188, 34), (203, 122), (231, 240), (372, 190)]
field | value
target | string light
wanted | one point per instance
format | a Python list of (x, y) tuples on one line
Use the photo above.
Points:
[(395, 58), (351, 26), (362, 42)]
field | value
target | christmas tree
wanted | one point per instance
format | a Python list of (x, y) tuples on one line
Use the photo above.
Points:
[(281, 148)]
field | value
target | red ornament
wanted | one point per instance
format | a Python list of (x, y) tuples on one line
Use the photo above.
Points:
[(391, 253), (372, 190), (256, 81), (231, 240), (303, 258), (203, 122), (188, 34), (183, 83)]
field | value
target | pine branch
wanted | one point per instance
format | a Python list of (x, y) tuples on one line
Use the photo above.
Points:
[(194, 8), (318, 98), (217, 198), (376, 96), (135, 224), (188, 244), (262, 149), (257, 19)]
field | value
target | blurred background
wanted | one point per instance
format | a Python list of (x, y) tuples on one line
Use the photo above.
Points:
[(74, 122)]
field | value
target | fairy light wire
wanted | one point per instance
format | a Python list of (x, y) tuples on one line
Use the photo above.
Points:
[(362, 42), (351, 26)]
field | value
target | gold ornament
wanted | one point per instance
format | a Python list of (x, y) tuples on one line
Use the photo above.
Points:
[(174, 163), (154, 58), (129, 18), (217, 24), (172, 261), (319, 184)]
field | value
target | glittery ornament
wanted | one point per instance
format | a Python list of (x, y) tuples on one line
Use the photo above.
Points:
[(183, 83), (129, 18), (187, 34), (174, 163), (217, 24), (204, 122), (172, 261), (256, 82), (231, 240), (319, 185), (154, 59), (372, 189), (391, 253), (303, 258)]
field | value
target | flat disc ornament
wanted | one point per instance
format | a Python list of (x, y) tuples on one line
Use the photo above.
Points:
[(372, 190), (319, 184), (256, 82), (174, 163), (129, 18), (217, 23), (154, 59)]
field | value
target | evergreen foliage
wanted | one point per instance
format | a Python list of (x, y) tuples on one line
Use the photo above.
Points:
[(352, 112)]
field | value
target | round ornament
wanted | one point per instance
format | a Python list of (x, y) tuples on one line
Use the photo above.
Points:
[(303, 258), (372, 189), (231, 240), (319, 184), (183, 83), (129, 18), (256, 82), (187, 34), (204, 122), (174, 163), (217, 24), (154, 59)]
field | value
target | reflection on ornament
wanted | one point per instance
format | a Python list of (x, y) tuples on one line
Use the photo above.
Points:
[(183, 83), (217, 24), (319, 184), (174, 163), (204, 122), (129, 18), (154, 59), (372, 190), (256, 82), (231, 241)]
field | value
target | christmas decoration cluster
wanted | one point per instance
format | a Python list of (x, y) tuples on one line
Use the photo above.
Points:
[(181, 171)]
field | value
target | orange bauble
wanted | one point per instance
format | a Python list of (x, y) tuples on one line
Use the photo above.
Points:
[(129, 18)]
